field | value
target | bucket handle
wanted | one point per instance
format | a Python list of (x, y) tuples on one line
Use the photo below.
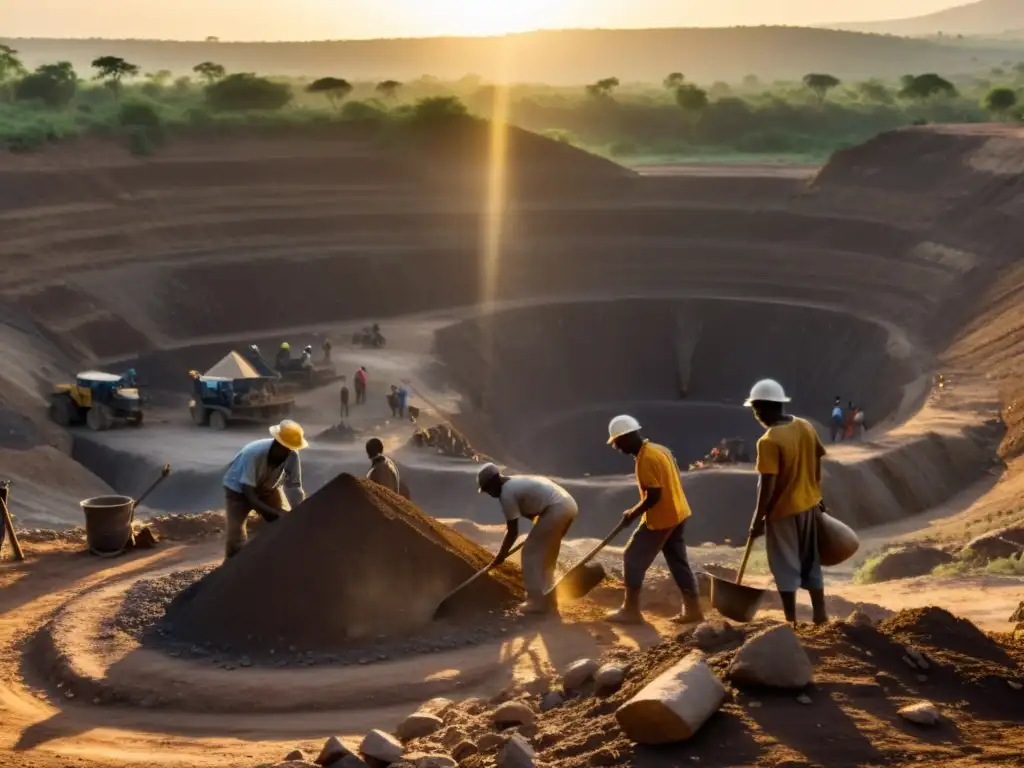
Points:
[(135, 503)]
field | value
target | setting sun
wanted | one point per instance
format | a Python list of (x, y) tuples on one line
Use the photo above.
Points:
[(472, 17)]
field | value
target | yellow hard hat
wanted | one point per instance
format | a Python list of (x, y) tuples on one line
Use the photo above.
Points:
[(285, 345), (290, 435)]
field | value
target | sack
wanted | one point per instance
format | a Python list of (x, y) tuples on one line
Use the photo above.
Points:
[(837, 542)]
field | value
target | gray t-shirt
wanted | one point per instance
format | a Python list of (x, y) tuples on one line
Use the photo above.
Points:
[(529, 495), (250, 467)]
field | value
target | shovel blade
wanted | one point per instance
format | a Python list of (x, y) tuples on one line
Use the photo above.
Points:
[(580, 581)]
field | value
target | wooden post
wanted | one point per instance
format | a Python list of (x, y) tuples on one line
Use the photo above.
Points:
[(5, 489)]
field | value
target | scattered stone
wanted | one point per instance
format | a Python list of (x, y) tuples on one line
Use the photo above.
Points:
[(1014, 685), (517, 753), (381, 745), (464, 749), (513, 713), (295, 755), (453, 736), (332, 751), (419, 724), (578, 674), (922, 713), (917, 658), (608, 678), (351, 761), (803, 698), (859, 619), (489, 742), (713, 635), (773, 657), (552, 700), (435, 761), (674, 705), (436, 706)]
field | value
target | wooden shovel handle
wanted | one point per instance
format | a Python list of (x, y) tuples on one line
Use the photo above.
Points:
[(746, 556)]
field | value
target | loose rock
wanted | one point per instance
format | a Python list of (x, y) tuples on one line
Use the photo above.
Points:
[(608, 678), (295, 756), (859, 619), (436, 706), (489, 742), (453, 736), (922, 713), (517, 753), (803, 698), (713, 635), (435, 761), (578, 674), (674, 705), (773, 658), (381, 745), (419, 724), (552, 700), (513, 713), (463, 750), (332, 751)]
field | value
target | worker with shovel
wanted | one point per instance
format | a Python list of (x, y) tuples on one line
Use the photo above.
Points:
[(266, 477), (662, 511), (789, 458), (551, 510)]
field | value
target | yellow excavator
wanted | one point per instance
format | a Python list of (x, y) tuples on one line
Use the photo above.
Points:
[(98, 400)]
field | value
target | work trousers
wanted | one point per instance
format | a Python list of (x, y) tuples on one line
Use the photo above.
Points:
[(360, 394), (643, 547), (344, 409), (792, 546), (540, 553), (237, 509)]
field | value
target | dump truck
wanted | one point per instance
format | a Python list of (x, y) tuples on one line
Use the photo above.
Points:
[(234, 390), (97, 399)]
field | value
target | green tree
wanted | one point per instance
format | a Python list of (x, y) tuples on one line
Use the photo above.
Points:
[(820, 85), (673, 81), (874, 91), (389, 89), (210, 72), (53, 84), (692, 99), (245, 90), (603, 88), (161, 77), (10, 65), (334, 88), (112, 70), (923, 87), (1000, 101)]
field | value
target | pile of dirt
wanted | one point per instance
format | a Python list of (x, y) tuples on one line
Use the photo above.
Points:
[(339, 433), (446, 440), (848, 717), (352, 561)]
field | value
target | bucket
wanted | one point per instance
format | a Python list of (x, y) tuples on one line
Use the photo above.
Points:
[(735, 601), (108, 523)]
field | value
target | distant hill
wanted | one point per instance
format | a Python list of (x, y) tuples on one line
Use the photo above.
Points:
[(555, 57), (986, 18)]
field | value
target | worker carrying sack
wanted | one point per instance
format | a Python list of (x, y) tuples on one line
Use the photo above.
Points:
[(837, 542)]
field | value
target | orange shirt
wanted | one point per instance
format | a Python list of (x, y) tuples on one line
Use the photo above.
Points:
[(791, 451), (656, 468)]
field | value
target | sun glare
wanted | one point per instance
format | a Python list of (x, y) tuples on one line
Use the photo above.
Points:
[(491, 17)]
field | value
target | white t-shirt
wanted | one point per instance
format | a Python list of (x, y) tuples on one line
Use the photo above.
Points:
[(528, 496)]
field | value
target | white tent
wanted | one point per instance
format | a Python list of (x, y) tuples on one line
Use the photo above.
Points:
[(233, 366)]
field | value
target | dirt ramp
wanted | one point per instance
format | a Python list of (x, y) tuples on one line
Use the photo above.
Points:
[(353, 561)]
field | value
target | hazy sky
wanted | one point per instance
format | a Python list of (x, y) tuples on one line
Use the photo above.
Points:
[(334, 19)]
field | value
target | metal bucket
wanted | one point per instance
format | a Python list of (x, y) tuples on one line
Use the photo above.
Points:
[(108, 523), (735, 601)]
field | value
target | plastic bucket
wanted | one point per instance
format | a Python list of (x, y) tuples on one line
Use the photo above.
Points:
[(108, 523)]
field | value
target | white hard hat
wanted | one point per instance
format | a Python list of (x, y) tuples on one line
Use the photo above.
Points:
[(621, 425), (767, 390), (486, 474)]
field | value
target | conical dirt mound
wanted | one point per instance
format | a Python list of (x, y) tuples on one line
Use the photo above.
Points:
[(352, 561)]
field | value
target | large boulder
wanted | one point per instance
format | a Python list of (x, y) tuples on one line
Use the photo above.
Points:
[(773, 657), (674, 705)]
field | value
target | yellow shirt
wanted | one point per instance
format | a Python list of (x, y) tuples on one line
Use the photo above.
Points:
[(791, 452), (656, 468)]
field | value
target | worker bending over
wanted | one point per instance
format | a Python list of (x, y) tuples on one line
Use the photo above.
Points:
[(266, 477), (662, 511), (789, 458), (551, 510)]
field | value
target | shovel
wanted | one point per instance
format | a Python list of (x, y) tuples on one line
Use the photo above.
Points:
[(732, 599), (583, 577), (482, 572)]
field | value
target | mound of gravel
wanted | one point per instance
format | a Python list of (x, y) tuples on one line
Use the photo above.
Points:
[(352, 561)]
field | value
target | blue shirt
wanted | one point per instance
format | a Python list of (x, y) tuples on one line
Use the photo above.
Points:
[(403, 397), (837, 413), (250, 467)]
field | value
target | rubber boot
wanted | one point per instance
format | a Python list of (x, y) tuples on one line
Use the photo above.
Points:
[(692, 612), (629, 613), (818, 606), (789, 605)]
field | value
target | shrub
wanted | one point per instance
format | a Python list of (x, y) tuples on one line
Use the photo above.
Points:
[(246, 91), (364, 110), (139, 114), (54, 85)]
